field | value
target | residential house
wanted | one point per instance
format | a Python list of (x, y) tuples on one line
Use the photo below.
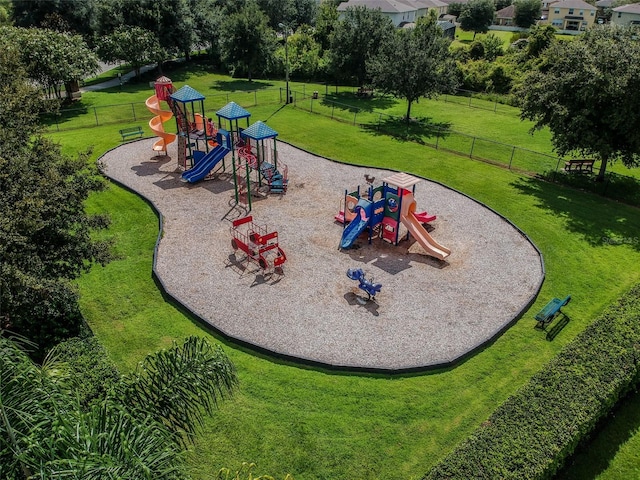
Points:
[(505, 16), (401, 12), (626, 15), (576, 15)]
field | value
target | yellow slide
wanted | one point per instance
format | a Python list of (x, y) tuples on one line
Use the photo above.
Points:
[(155, 124), (418, 232)]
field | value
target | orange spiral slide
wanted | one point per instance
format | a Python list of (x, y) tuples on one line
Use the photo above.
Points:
[(155, 124)]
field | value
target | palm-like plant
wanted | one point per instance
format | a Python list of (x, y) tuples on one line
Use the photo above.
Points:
[(135, 432)]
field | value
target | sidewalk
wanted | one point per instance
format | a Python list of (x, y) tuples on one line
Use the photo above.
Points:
[(115, 82)]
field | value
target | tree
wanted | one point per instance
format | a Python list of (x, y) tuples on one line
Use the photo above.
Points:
[(326, 20), (355, 40), (588, 94), (72, 16), (45, 235), (541, 37), (51, 58), (527, 12), (414, 63), (138, 431), (492, 47), (133, 45), (246, 42), (476, 16)]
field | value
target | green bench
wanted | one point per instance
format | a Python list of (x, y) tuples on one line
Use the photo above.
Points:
[(550, 311), (131, 132)]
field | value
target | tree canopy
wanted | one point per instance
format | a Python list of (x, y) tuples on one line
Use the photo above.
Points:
[(527, 12), (414, 63), (247, 43), (355, 40), (45, 234), (588, 93), (476, 16), (51, 58), (133, 45)]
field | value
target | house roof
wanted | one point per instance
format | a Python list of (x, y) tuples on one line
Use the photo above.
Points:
[(187, 94), (420, 4), (630, 8), (386, 6), (445, 25), (259, 131), (581, 4), (232, 111), (506, 12), (604, 3)]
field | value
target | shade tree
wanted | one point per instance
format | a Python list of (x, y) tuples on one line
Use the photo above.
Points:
[(414, 63), (587, 92), (355, 40)]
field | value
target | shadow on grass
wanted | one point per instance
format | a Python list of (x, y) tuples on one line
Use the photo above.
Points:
[(594, 218), (420, 130), (241, 85), (349, 102), (593, 458), (618, 187)]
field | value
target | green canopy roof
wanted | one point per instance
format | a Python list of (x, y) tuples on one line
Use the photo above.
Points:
[(232, 111), (187, 94), (259, 131)]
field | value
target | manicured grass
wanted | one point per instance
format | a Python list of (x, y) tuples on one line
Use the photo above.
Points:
[(317, 424)]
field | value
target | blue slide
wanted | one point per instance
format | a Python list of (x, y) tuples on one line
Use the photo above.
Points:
[(363, 209), (205, 165)]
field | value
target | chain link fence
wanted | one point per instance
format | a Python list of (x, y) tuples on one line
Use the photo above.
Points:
[(441, 137)]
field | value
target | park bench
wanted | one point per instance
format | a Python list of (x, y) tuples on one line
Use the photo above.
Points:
[(131, 132), (579, 166), (550, 311)]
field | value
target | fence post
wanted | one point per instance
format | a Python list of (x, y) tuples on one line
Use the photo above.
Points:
[(355, 114), (556, 171), (255, 97), (495, 106), (379, 120), (333, 106), (95, 113), (438, 137), (513, 150), (311, 104), (472, 145), (133, 109)]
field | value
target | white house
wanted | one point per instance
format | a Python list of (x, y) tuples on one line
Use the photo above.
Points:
[(400, 12)]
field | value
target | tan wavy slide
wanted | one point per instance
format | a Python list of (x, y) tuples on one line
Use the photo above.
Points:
[(421, 235)]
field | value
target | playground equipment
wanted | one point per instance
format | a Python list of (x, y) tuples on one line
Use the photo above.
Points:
[(163, 87), (381, 211), (195, 134), (259, 245), (259, 152), (367, 285), (205, 163)]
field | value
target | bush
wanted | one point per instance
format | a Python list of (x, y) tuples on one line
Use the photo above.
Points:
[(536, 429), (90, 372)]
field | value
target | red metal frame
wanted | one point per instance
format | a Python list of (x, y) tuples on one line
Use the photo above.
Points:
[(259, 245)]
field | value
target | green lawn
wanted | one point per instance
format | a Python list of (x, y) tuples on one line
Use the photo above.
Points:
[(318, 424)]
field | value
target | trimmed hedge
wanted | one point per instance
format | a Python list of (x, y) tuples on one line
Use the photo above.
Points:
[(534, 431)]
